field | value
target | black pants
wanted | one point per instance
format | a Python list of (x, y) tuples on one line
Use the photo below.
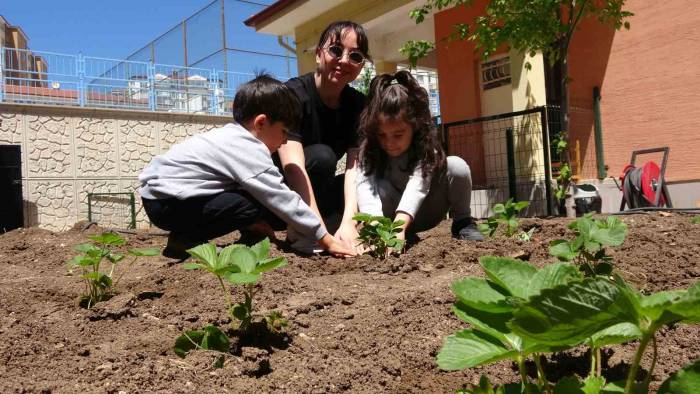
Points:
[(205, 218), (321, 162)]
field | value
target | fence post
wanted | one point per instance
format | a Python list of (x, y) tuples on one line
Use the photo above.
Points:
[(547, 159), (132, 202), (213, 86), (599, 156), (80, 69), (151, 75), (510, 151), (89, 207), (2, 73)]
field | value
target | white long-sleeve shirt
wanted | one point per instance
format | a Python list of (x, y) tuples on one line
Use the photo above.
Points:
[(227, 158)]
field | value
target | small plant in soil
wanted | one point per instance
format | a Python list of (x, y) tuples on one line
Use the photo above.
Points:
[(208, 338), (378, 234), (588, 248), (520, 311), (695, 220), (99, 285), (238, 265), (506, 214)]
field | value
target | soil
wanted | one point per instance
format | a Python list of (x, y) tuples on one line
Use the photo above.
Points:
[(358, 325)]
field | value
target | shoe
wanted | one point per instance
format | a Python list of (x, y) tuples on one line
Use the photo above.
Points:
[(465, 229), (178, 244), (302, 244), (250, 238)]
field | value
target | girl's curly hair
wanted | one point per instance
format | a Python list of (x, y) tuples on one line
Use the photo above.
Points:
[(398, 96)]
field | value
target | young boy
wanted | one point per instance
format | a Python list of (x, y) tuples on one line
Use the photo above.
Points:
[(224, 179)]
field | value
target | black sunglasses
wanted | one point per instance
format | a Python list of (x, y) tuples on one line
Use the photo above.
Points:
[(355, 56)]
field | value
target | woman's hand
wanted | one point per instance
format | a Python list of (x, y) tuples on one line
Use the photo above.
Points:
[(331, 245), (347, 234)]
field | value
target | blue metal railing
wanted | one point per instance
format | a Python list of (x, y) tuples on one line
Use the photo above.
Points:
[(39, 77)]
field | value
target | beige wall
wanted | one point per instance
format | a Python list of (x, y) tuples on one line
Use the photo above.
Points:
[(69, 152)]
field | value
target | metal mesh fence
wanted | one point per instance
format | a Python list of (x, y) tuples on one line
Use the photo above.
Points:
[(509, 157), (112, 210)]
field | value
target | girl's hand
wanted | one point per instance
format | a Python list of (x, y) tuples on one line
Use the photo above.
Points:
[(331, 245)]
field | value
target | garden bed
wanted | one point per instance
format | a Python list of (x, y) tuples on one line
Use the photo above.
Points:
[(359, 325)]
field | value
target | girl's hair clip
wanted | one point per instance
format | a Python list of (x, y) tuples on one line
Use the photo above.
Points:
[(394, 81)]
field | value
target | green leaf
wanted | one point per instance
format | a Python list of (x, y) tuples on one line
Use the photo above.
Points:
[(111, 239), (520, 205), (209, 338), (684, 381), (616, 334), (481, 294), (362, 217), (262, 249), (552, 275), (239, 311), (571, 385), (510, 274), (145, 252), (562, 250), (226, 259), (688, 306), (654, 305), (114, 257), (468, 348), (86, 248), (498, 209), (83, 261), (245, 259), (192, 266), (611, 232), (242, 278), (571, 313), (493, 324), (206, 253), (270, 264)]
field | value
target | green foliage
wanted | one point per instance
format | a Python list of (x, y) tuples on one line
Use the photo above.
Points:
[(238, 265), (99, 285), (588, 248), (684, 381), (378, 234), (526, 236), (506, 214), (208, 338), (520, 311), (365, 80), (415, 50), (563, 178), (276, 323), (695, 220)]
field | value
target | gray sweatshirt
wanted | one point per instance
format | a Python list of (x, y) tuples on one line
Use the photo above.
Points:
[(227, 158), (409, 182)]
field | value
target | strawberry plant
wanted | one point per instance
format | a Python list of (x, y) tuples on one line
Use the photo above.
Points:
[(99, 285), (378, 234), (238, 265), (588, 248), (208, 338), (519, 311), (506, 214)]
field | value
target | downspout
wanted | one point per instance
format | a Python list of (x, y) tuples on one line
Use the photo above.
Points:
[(598, 130)]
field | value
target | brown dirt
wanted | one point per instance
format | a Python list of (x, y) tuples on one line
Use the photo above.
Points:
[(358, 325)]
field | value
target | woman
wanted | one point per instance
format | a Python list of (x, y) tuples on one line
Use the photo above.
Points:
[(331, 111)]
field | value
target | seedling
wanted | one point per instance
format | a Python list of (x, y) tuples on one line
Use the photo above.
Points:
[(520, 311), (378, 234), (695, 220), (238, 265), (208, 338), (526, 236), (276, 323), (588, 248), (99, 286), (504, 213)]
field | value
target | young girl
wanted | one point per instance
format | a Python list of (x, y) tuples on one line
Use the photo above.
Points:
[(403, 170)]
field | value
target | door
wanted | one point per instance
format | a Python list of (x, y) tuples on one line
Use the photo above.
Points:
[(11, 215)]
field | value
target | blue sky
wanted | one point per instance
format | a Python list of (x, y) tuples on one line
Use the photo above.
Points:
[(111, 29)]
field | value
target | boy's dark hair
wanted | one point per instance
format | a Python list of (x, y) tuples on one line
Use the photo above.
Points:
[(334, 35), (268, 96), (399, 97)]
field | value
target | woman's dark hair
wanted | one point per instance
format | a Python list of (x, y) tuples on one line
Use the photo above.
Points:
[(334, 35), (266, 95), (399, 97)]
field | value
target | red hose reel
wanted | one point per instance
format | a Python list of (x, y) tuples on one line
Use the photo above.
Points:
[(645, 186)]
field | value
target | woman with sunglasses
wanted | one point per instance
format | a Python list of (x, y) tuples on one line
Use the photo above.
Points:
[(331, 111)]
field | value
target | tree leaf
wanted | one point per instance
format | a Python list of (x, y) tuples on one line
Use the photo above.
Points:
[(571, 313), (510, 274), (242, 278), (144, 252), (683, 381), (270, 264), (468, 348), (481, 294), (262, 249)]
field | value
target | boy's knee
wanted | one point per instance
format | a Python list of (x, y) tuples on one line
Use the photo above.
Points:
[(320, 158), (458, 168)]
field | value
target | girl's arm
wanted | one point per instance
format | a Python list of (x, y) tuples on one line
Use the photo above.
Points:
[(294, 166), (408, 219), (347, 232)]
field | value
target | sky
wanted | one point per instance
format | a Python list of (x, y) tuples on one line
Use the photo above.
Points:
[(112, 29)]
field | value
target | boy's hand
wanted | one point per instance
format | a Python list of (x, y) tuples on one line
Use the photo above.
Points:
[(347, 234), (330, 244), (261, 227)]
